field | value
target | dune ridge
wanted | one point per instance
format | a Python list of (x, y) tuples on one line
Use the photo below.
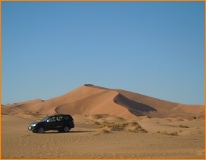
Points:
[(90, 100)]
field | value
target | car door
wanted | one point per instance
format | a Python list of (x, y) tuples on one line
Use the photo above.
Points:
[(51, 123), (59, 122)]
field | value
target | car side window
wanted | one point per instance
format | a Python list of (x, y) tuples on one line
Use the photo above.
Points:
[(51, 119), (59, 118), (66, 117)]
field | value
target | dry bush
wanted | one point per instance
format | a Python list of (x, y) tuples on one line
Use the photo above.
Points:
[(126, 126), (166, 133), (96, 123), (103, 131), (181, 126), (173, 134)]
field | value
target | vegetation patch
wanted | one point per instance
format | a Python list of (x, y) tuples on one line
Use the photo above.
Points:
[(181, 126), (166, 133), (125, 126)]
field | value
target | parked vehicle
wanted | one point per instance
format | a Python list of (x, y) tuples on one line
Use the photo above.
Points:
[(59, 122)]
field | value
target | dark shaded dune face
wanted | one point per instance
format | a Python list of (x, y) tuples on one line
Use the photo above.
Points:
[(136, 108), (151, 101)]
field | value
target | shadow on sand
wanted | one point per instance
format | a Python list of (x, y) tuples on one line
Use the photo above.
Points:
[(136, 108), (70, 132)]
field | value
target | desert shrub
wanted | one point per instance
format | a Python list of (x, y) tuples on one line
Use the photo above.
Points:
[(172, 133), (97, 123), (138, 130), (183, 126), (104, 131), (114, 126), (134, 123), (126, 126)]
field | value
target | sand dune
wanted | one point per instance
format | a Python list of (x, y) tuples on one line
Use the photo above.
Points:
[(90, 100)]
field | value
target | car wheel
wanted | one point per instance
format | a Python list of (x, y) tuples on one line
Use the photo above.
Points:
[(41, 130), (66, 129)]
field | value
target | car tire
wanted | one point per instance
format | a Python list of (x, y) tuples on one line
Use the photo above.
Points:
[(66, 129), (40, 130)]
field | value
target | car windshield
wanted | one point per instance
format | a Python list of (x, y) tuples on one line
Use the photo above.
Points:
[(44, 119)]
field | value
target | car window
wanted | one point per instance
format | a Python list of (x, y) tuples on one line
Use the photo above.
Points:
[(68, 117), (44, 119), (52, 119), (59, 118)]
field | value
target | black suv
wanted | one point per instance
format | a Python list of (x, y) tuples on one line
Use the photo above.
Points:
[(60, 122)]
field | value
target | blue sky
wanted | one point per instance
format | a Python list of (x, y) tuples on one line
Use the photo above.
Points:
[(151, 48)]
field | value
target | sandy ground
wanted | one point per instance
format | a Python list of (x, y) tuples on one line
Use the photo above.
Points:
[(93, 138)]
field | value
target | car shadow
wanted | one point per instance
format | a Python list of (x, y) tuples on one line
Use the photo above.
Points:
[(54, 132), (80, 131)]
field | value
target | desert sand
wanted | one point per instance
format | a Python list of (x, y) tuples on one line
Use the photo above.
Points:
[(109, 123)]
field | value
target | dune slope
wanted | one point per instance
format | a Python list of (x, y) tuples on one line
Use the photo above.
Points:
[(91, 100)]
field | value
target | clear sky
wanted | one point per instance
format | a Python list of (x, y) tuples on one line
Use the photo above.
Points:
[(151, 48)]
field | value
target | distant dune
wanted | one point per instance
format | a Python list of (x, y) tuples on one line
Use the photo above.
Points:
[(92, 100)]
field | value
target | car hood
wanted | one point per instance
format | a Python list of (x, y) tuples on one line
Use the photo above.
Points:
[(35, 123)]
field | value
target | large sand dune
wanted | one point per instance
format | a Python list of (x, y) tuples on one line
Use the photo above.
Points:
[(90, 100)]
